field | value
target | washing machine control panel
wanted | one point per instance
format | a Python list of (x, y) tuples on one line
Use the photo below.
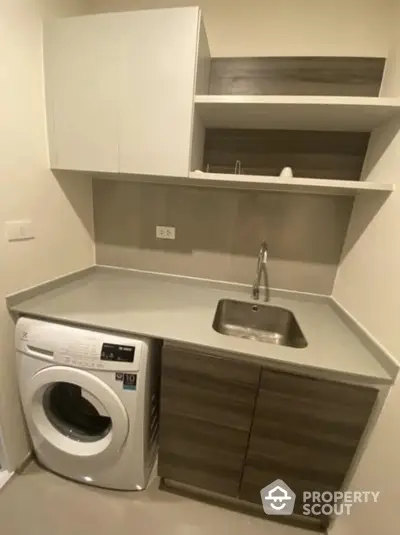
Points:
[(81, 347), (117, 353), (96, 354), (81, 355)]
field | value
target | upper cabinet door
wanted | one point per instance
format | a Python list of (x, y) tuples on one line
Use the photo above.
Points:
[(82, 69), (159, 54)]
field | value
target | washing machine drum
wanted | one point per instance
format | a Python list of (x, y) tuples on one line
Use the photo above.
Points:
[(72, 411), (75, 413)]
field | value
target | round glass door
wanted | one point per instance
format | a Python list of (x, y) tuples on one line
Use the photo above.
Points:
[(73, 414), (76, 413)]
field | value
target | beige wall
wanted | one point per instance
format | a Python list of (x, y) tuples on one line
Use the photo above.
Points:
[(368, 285), (284, 27), (61, 210), (218, 232)]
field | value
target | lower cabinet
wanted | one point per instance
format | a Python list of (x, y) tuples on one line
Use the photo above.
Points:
[(202, 454), (233, 427), (305, 431), (207, 405)]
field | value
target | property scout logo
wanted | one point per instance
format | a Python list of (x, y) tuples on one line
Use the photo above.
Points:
[(278, 499)]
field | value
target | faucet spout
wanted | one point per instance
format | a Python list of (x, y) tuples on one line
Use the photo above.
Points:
[(261, 268)]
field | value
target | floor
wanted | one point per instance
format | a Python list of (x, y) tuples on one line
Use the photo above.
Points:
[(40, 503)]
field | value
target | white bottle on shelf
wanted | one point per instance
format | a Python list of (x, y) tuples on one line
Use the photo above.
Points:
[(287, 172)]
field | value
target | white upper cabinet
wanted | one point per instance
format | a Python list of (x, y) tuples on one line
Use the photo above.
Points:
[(120, 91), (81, 71), (159, 63)]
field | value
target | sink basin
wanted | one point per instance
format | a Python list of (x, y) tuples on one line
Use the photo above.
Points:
[(264, 323)]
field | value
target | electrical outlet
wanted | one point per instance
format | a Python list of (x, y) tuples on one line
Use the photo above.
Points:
[(165, 233)]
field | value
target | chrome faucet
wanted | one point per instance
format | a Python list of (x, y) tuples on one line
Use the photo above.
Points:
[(261, 267)]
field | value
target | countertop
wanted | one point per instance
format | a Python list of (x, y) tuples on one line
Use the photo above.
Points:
[(182, 310)]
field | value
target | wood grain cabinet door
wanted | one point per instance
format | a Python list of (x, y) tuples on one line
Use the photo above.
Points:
[(207, 404), (305, 432)]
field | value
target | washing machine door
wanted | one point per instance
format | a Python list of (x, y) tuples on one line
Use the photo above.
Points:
[(76, 413)]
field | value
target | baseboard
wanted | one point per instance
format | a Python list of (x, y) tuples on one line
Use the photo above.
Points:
[(5, 477), (24, 463), (237, 505)]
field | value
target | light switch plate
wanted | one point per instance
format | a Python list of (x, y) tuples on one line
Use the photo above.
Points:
[(19, 230)]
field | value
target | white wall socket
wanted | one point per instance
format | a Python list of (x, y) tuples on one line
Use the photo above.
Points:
[(165, 233)]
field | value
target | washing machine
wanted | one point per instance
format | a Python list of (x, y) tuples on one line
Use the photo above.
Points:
[(90, 400)]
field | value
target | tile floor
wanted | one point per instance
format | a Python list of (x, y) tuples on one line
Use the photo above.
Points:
[(40, 503)]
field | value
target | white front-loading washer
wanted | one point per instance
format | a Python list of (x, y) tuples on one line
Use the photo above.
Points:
[(90, 400)]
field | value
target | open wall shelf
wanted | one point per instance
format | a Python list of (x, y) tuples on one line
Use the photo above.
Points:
[(293, 185), (259, 115), (350, 114)]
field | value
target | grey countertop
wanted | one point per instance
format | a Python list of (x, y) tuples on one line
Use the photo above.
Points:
[(182, 310)]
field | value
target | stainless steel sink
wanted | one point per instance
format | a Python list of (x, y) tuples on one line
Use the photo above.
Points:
[(264, 323)]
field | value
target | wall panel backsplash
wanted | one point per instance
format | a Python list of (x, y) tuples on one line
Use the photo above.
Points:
[(218, 232)]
